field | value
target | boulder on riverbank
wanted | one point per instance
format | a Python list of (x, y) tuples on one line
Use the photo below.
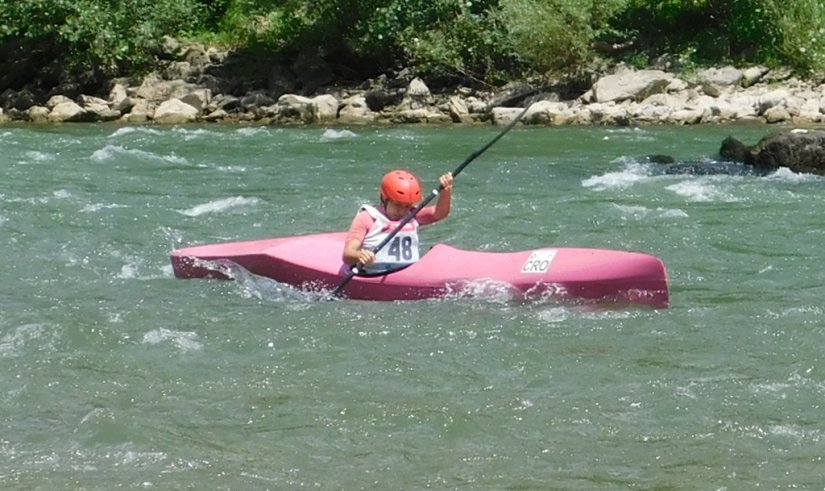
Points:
[(205, 84)]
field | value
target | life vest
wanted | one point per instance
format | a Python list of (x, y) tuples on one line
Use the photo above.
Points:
[(402, 248)]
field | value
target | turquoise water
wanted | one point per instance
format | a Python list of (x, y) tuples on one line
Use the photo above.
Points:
[(117, 375)]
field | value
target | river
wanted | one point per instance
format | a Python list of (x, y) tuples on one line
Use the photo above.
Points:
[(117, 375)]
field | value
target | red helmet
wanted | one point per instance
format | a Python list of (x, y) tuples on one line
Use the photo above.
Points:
[(401, 186)]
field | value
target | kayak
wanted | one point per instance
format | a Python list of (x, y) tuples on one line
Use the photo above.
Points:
[(313, 262)]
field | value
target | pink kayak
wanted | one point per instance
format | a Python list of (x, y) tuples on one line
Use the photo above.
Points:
[(314, 262)]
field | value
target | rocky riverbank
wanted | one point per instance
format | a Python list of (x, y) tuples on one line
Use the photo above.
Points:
[(205, 84)]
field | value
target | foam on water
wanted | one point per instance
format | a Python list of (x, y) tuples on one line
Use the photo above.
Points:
[(128, 271), (639, 212), (219, 206), (252, 131), (14, 342), (112, 152), (787, 175), (182, 340), (128, 130), (702, 190), (635, 134), (630, 175), (333, 135), (194, 134), (38, 156), (96, 207)]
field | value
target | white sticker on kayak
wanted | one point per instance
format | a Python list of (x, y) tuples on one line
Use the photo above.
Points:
[(539, 261)]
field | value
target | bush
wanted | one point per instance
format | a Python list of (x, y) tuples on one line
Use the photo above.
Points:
[(95, 35), (486, 41), (554, 34), (774, 32)]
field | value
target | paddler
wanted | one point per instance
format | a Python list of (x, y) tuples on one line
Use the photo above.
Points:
[(400, 192)]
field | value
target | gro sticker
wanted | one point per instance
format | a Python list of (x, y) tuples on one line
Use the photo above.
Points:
[(539, 261)]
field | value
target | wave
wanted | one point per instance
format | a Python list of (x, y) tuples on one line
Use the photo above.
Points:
[(701, 190), (182, 340), (95, 207), (639, 212), (38, 156), (784, 174), (13, 342), (219, 206), (333, 135), (111, 152), (630, 175), (252, 131), (128, 130), (194, 134)]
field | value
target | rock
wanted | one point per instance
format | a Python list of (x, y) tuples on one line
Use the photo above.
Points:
[(355, 110), (753, 75), (174, 111), (37, 114), (141, 112), (410, 116), (458, 110), (119, 99), (686, 116), (777, 114), (293, 108), (720, 77), (733, 149), (379, 98), (324, 108), (659, 159), (503, 116), (198, 99), (181, 70), (800, 151), (55, 100), (100, 109), (772, 99), (70, 112), (544, 112), (228, 103), (256, 99), (417, 96), (157, 90), (633, 85), (169, 47), (195, 55), (216, 115), (20, 100), (438, 117)]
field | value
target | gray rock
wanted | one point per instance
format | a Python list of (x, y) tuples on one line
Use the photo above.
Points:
[(799, 150)]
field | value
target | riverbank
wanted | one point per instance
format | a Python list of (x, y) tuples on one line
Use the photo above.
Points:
[(206, 85)]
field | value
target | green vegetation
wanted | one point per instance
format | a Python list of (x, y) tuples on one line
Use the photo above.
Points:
[(482, 41)]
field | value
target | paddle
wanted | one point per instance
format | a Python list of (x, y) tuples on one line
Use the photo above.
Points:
[(355, 269)]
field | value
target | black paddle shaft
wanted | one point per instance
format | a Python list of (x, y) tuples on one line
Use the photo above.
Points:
[(412, 213)]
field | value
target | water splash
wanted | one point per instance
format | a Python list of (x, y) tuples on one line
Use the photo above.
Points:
[(632, 174)]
